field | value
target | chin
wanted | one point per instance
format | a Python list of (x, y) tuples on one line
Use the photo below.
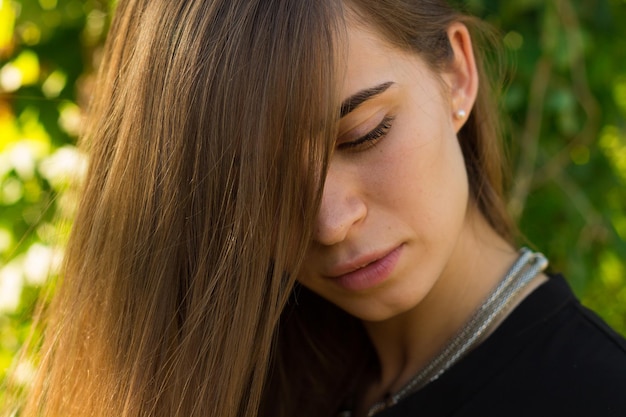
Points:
[(381, 307)]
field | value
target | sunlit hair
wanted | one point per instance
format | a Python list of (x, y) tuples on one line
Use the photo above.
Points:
[(210, 133)]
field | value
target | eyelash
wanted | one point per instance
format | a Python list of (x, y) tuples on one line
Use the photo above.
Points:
[(371, 138)]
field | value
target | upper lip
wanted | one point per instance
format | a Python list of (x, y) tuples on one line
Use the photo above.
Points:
[(357, 262)]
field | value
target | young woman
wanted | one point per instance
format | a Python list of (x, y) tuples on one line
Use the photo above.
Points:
[(294, 208)]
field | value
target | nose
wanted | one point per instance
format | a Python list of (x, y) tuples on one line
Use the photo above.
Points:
[(342, 208)]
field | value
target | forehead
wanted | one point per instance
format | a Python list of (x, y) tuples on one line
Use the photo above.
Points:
[(369, 60)]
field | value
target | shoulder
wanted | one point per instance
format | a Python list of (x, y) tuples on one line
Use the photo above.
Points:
[(550, 357), (566, 361)]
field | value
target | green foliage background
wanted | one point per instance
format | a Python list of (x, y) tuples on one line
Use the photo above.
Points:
[(565, 98)]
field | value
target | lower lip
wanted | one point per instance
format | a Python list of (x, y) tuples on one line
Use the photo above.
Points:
[(371, 275)]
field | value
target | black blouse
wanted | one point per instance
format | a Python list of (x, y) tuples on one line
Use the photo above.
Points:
[(551, 357)]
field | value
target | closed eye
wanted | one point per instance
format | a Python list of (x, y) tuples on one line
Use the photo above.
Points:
[(369, 139)]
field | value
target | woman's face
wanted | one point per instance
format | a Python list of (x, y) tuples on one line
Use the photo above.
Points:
[(396, 194)]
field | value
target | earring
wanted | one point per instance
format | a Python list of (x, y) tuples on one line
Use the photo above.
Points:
[(460, 114)]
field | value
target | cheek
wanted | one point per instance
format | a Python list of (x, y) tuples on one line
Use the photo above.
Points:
[(424, 183)]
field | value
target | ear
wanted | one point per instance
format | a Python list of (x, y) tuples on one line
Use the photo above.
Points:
[(462, 75)]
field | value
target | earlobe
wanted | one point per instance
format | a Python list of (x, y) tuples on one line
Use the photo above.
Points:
[(463, 74), (460, 114)]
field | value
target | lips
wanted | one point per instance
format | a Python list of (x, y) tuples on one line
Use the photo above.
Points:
[(367, 271)]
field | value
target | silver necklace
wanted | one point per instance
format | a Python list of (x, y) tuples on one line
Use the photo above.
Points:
[(525, 268)]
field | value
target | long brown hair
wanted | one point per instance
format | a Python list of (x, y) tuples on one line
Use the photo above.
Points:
[(209, 136)]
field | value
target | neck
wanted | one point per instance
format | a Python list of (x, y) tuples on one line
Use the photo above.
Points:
[(407, 342)]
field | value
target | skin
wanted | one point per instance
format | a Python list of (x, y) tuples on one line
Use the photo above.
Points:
[(407, 191)]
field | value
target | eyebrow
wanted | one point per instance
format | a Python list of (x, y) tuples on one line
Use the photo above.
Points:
[(355, 100)]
